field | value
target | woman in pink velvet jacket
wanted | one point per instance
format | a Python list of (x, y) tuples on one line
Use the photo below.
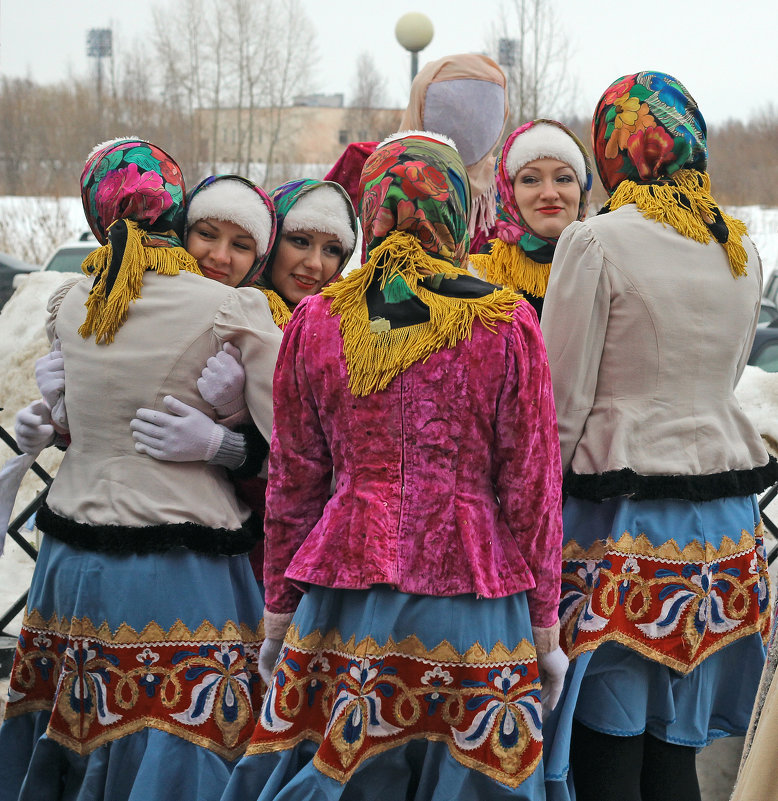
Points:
[(415, 660)]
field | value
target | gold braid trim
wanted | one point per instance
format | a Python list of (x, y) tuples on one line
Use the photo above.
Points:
[(660, 202), (280, 312), (376, 353), (508, 265), (106, 315)]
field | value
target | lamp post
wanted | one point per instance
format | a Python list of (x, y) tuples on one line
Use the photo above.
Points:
[(414, 32), (99, 45)]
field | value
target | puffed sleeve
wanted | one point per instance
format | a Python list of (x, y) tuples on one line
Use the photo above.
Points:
[(754, 266), (575, 318), (55, 301), (528, 473), (244, 319), (300, 466)]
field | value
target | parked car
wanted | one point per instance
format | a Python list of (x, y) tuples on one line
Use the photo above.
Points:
[(770, 290), (10, 268), (67, 258), (768, 312), (764, 351)]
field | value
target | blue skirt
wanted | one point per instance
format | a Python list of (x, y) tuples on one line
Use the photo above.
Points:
[(133, 674), (379, 694), (664, 607)]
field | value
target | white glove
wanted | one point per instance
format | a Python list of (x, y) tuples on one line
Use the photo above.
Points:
[(185, 435), (33, 429), (50, 375), (222, 381), (268, 656), (552, 667)]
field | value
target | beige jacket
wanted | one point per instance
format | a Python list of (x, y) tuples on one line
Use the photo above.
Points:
[(170, 332), (647, 334)]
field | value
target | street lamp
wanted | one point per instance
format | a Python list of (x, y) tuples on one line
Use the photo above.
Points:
[(414, 32)]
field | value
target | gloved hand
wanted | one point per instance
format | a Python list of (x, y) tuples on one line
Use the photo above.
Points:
[(222, 381), (552, 667), (184, 435), (268, 656), (50, 375), (33, 429)]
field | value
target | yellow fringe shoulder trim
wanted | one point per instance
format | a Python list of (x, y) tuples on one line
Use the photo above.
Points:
[(376, 353), (659, 202), (106, 315), (508, 265), (280, 312)]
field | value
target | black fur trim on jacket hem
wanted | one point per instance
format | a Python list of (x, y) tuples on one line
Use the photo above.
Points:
[(257, 450), (149, 539), (625, 482)]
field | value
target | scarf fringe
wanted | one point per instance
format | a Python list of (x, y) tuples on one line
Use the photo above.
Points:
[(483, 213), (375, 354), (508, 265), (661, 202), (279, 311), (105, 315)]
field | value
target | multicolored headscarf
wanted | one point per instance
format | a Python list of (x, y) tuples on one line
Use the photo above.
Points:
[(412, 297), (519, 257), (284, 198), (241, 216), (650, 147), (133, 197)]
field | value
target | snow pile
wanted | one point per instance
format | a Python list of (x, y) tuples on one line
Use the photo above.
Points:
[(22, 341), (757, 394)]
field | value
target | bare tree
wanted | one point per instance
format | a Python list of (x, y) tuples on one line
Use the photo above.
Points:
[(534, 52), (367, 118)]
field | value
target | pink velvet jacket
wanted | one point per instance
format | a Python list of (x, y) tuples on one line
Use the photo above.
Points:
[(448, 481)]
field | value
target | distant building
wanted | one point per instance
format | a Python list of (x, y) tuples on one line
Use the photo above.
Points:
[(312, 132)]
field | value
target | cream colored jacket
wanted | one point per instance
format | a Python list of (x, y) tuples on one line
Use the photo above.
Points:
[(161, 349), (647, 334)]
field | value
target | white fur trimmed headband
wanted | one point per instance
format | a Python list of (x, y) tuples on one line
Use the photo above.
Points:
[(545, 141), (322, 208), (232, 201)]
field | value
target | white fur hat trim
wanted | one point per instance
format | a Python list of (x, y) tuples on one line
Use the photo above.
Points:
[(322, 209), (233, 201), (544, 141), (427, 134)]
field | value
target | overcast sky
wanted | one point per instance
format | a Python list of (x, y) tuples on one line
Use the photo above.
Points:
[(724, 52)]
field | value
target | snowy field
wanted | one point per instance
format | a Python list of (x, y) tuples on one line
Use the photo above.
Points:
[(22, 340)]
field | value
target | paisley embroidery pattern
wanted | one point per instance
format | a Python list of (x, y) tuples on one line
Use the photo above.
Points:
[(359, 699), (200, 685), (675, 606)]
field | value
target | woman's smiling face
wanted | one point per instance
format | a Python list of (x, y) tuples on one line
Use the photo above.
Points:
[(304, 262), (548, 195), (225, 252)]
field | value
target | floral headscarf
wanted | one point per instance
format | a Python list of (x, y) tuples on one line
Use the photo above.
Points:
[(133, 197), (412, 297), (133, 180), (650, 147), (647, 126), (260, 263), (284, 198)]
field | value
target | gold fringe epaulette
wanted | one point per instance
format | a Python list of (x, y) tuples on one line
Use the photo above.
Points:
[(375, 352), (106, 315), (661, 202), (280, 312), (509, 266)]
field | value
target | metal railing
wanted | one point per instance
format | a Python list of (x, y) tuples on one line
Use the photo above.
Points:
[(16, 525)]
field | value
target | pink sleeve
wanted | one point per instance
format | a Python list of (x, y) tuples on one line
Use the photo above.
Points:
[(299, 470), (529, 472)]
